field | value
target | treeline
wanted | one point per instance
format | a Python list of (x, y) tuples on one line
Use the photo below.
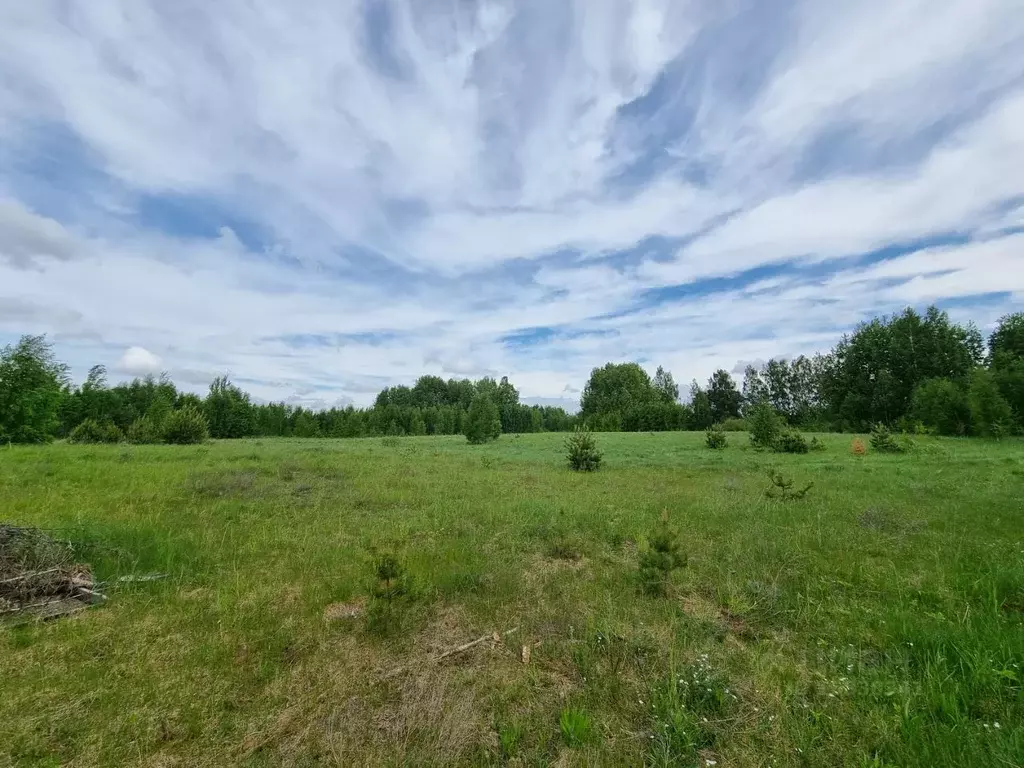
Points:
[(912, 372), (39, 403), (909, 371)]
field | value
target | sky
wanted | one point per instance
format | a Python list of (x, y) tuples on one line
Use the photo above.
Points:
[(324, 198)]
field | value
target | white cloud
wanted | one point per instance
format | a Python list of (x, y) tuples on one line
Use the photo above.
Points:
[(138, 361), (430, 177), (26, 238)]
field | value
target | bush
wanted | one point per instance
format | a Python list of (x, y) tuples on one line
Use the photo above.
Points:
[(483, 422), (734, 425), (143, 431), (884, 441), (991, 415), (715, 438), (581, 449), (816, 444), (91, 431), (942, 405), (186, 426), (663, 556), (765, 426), (791, 441)]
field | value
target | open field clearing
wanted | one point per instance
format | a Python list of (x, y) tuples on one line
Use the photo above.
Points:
[(877, 621)]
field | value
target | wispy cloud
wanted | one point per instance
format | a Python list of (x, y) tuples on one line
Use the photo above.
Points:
[(329, 197)]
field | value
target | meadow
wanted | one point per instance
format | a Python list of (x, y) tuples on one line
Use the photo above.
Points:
[(878, 621)]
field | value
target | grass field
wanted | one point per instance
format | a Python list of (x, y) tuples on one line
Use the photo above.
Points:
[(878, 621)]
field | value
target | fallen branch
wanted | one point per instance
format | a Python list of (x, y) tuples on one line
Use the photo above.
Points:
[(495, 636), (25, 576), (465, 647)]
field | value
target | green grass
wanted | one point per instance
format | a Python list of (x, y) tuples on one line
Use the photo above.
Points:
[(876, 622)]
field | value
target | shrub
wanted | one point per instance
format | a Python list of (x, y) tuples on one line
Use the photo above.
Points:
[(990, 413), (734, 425), (942, 405), (791, 441), (186, 426), (143, 430), (483, 423), (816, 444), (884, 441), (715, 438), (765, 425), (91, 431), (662, 557), (581, 449)]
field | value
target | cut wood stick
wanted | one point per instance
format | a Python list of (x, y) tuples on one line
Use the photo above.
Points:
[(24, 576), (459, 649), (95, 597), (467, 646), (20, 608)]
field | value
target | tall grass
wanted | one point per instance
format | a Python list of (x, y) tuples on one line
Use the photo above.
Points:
[(877, 621)]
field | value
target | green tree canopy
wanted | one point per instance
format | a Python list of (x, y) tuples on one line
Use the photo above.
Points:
[(31, 388), (724, 397), (616, 388), (482, 422)]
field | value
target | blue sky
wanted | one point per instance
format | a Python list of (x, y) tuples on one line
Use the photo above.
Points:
[(323, 198)]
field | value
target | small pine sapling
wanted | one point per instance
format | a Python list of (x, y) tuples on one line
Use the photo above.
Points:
[(782, 487), (884, 441), (662, 557), (765, 425), (714, 438), (581, 450), (390, 595), (391, 579)]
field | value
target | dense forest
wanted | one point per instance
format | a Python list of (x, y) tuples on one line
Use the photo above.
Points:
[(913, 372)]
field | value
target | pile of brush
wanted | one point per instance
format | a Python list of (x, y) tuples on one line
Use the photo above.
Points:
[(39, 577)]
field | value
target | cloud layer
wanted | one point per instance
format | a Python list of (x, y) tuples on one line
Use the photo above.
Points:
[(326, 198)]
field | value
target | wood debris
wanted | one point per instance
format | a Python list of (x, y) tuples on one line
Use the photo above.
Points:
[(39, 578)]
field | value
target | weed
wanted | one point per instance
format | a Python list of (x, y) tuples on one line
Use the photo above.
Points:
[(687, 709), (576, 727), (390, 441), (510, 738), (565, 548)]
